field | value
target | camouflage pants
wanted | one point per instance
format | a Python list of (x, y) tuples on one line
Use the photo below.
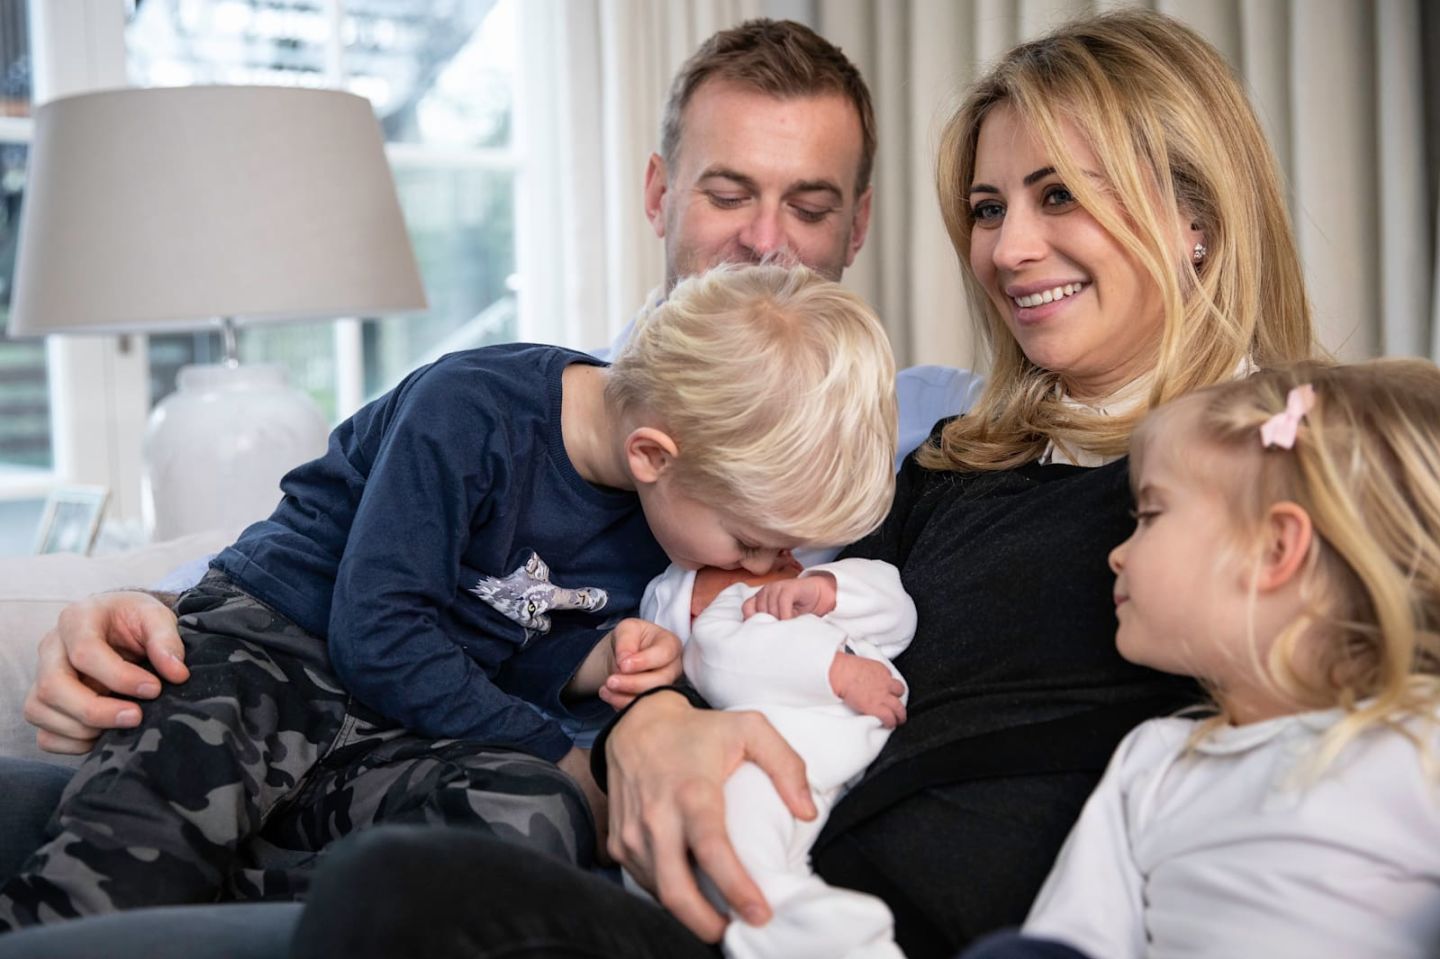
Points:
[(236, 780)]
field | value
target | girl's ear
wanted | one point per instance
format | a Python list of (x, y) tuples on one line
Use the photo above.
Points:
[(1288, 534), (649, 452)]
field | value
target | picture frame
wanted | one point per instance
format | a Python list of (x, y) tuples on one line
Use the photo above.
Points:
[(71, 519)]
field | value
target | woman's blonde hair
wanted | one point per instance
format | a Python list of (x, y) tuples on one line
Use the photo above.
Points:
[(1171, 129), (1365, 466), (778, 388)]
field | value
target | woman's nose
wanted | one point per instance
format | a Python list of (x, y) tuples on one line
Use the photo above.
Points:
[(1021, 240)]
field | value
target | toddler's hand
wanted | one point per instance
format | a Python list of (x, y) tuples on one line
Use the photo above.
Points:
[(867, 687), (793, 597), (645, 656)]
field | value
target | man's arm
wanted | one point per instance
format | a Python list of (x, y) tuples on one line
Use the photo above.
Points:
[(94, 650)]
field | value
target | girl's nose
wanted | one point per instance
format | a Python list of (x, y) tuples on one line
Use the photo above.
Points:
[(1117, 558)]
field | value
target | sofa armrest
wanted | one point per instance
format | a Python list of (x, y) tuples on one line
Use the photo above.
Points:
[(33, 590)]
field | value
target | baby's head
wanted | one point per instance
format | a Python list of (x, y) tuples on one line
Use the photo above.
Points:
[(1298, 569), (759, 403)]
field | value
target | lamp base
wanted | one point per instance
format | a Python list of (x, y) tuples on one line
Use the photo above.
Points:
[(215, 449)]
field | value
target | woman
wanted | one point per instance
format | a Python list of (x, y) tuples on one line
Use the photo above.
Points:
[(1123, 235)]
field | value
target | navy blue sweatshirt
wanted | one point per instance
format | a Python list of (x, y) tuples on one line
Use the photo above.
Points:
[(449, 554)]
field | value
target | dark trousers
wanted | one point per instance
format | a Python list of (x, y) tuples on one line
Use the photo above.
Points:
[(457, 894), (236, 780)]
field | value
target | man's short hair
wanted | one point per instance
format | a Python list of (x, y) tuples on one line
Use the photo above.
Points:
[(778, 388), (781, 58)]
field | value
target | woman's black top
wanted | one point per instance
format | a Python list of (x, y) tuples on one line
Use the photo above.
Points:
[(1017, 695)]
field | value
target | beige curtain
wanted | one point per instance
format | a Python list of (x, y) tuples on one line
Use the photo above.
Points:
[(1338, 85)]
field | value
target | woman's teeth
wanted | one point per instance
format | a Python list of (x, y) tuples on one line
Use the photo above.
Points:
[(1049, 296)]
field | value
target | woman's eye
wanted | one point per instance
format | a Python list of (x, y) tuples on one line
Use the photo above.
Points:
[(1059, 196), (988, 212)]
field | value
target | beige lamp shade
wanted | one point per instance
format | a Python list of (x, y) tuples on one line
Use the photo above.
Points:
[(157, 208)]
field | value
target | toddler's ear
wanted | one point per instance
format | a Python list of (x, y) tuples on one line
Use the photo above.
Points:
[(649, 453), (1288, 536)]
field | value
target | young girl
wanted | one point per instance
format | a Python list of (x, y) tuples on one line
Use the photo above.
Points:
[(1287, 554)]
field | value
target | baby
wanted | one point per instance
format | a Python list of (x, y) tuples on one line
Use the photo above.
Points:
[(811, 651)]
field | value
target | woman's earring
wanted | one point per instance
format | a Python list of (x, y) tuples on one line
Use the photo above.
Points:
[(1199, 253)]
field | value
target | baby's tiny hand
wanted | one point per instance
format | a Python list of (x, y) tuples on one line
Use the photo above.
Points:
[(646, 656), (867, 687), (793, 597)]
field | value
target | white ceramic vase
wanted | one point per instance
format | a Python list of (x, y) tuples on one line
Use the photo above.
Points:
[(216, 448)]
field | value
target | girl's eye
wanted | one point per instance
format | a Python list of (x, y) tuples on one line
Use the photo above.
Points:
[(1143, 516), (1059, 195), (987, 213)]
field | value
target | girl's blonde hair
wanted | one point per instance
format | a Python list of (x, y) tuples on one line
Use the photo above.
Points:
[(1365, 466), (778, 388), (1171, 129)]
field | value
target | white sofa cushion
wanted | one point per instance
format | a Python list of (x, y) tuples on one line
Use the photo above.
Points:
[(33, 590)]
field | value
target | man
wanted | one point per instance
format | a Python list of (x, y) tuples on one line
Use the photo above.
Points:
[(767, 146)]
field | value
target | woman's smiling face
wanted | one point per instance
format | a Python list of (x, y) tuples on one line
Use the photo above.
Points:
[(1075, 300)]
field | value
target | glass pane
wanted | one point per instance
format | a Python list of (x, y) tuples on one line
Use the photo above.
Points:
[(175, 43), (14, 59), (462, 224), (437, 73), (24, 392)]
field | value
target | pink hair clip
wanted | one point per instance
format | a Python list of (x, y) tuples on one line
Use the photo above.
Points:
[(1279, 430)]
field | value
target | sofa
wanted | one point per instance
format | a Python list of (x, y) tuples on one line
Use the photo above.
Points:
[(33, 590)]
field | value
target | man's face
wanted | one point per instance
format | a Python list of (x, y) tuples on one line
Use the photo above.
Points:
[(758, 176)]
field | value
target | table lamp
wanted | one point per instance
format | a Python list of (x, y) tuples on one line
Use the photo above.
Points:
[(207, 206)]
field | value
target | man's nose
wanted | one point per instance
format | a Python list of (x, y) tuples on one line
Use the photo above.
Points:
[(764, 233)]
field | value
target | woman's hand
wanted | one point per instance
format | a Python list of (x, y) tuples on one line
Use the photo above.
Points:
[(667, 764), (91, 652), (644, 656)]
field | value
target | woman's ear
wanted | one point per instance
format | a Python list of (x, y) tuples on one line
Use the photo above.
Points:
[(649, 452), (1288, 536), (1196, 246)]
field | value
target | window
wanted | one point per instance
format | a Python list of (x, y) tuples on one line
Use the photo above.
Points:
[(442, 75), (441, 80), (25, 446)]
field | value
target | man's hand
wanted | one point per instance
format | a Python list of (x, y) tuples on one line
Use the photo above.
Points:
[(92, 651), (867, 687), (576, 765), (644, 656), (667, 764), (794, 597)]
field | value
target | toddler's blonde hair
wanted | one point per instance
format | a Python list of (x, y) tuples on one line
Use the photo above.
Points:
[(1366, 468), (778, 388)]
